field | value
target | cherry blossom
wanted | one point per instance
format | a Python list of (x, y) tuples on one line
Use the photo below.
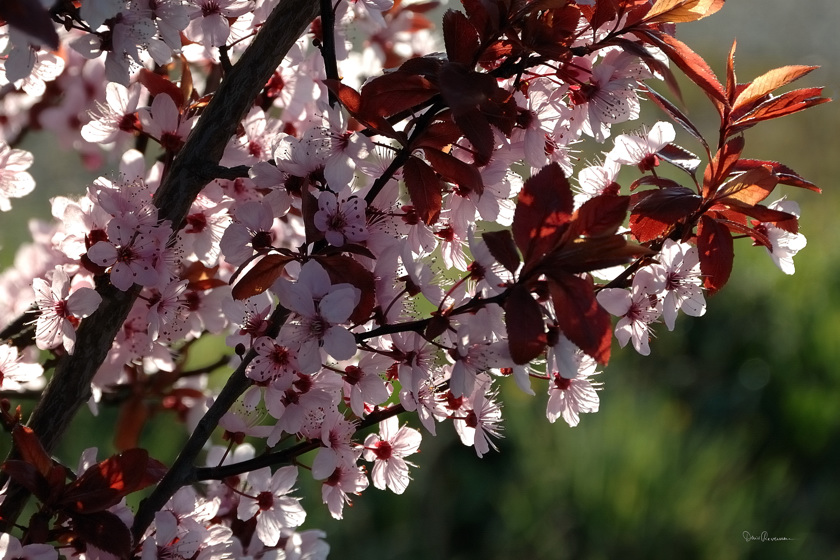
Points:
[(570, 390), (118, 114), (344, 480), (784, 244), (679, 275), (15, 371), (640, 149), (320, 307), (479, 418), (269, 502), (387, 451), (209, 22), (163, 122), (636, 310), (341, 221), (13, 550), (15, 181), (59, 309)]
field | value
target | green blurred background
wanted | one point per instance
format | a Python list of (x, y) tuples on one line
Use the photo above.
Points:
[(732, 425)]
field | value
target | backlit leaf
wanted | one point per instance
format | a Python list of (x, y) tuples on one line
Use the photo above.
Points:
[(580, 317), (714, 243), (424, 188), (525, 325)]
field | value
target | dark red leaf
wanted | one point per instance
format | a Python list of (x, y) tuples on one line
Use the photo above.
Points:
[(460, 38), (601, 216), (676, 114), (692, 64), (657, 210), (748, 188), (783, 220), (27, 475), (342, 268), (104, 484), (580, 317), (781, 106), (714, 242), (501, 246), (160, 85), (722, 165), (525, 325), (104, 530), (424, 188), (258, 274), (592, 253), (680, 158), (543, 210), (475, 126), (767, 83), (463, 174), (785, 174), (393, 93), (731, 81), (347, 96), (132, 418), (31, 450)]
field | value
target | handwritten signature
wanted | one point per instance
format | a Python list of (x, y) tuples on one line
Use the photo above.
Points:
[(763, 537)]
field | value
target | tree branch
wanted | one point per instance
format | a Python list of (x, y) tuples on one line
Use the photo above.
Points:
[(191, 170)]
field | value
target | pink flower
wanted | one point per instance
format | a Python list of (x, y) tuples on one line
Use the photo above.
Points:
[(785, 244), (387, 450), (345, 479), (164, 123), (12, 549), (134, 257), (15, 182), (209, 23), (320, 308), (636, 311), (59, 310), (14, 371), (679, 274), (268, 501), (479, 418), (570, 392), (273, 362), (341, 221), (118, 114), (641, 149), (363, 384)]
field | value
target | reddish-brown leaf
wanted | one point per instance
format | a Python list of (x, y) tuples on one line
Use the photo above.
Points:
[(525, 325), (580, 317), (680, 158), (463, 174), (676, 114), (721, 165), (393, 93), (783, 220), (785, 174), (714, 243), (424, 188), (347, 96), (460, 38), (258, 274), (501, 246), (680, 11), (749, 188), (781, 106), (600, 216), (692, 64), (769, 82), (160, 85), (343, 268), (655, 211), (27, 475), (731, 80), (543, 210), (592, 253), (132, 418), (31, 450), (106, 483)]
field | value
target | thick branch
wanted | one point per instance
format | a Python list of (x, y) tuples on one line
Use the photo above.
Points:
[(190, 172)]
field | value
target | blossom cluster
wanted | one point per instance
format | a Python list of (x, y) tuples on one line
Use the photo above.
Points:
[(367, 210)]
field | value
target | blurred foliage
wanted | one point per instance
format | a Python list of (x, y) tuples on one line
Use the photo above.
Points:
[(732, 425)]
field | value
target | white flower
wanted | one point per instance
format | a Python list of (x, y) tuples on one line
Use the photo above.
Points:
[(388, 449), (59, 310), (785, 244)]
